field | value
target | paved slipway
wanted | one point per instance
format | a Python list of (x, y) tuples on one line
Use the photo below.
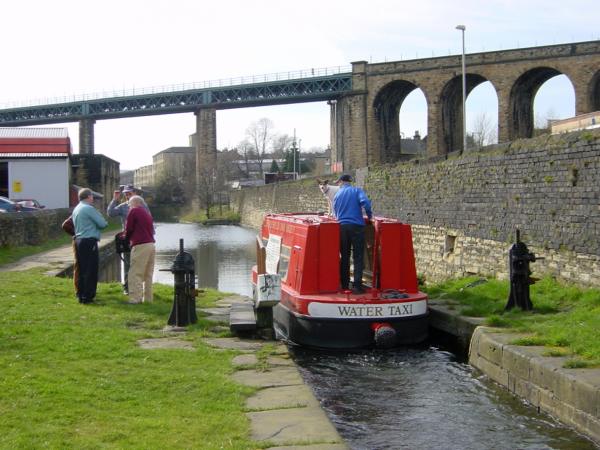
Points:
[(283, 413)]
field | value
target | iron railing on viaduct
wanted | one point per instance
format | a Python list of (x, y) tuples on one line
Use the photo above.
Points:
[(310, 88)]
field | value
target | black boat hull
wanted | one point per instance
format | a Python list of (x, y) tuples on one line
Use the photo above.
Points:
[(344, 333)]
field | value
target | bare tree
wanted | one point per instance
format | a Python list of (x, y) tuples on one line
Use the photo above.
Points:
[(281, 143), (542, 122), (206, 171), (246, 152), (484, 131), (260, 134)]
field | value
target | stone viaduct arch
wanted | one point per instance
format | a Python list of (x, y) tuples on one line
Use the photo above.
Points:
[(365, 126)]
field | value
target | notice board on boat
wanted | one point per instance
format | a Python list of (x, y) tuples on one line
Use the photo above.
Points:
[(273, 253)]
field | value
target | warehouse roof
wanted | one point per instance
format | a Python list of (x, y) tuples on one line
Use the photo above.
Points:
[(33, 132), (34, 142)]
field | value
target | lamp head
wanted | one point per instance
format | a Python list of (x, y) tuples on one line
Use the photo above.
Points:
[(461, 27)]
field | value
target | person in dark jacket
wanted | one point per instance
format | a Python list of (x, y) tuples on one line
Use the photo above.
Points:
[(88, 224), (348, 203), (116, 209), (139, 230)]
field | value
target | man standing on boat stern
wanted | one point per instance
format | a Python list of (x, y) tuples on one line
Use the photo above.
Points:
[(88, 223), (348, 203)]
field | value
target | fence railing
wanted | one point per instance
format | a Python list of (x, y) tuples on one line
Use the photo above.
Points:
[(221, 82)]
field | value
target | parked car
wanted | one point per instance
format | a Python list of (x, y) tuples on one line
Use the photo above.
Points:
[(8, 205), (28, 203)]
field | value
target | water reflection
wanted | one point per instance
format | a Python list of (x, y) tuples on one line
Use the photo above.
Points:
[(224, 255), (422, 398)]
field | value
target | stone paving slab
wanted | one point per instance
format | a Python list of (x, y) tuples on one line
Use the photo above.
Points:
[(280, 376), (282, 397), (162, 343), (215, 314), (228, 301), (247, 359), (235, 344), (293, 426)]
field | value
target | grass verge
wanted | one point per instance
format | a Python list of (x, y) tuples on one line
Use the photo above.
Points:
[(565, 318), (73, 376)]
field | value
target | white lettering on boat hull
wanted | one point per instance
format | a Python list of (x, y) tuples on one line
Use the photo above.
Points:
[(367, 311)]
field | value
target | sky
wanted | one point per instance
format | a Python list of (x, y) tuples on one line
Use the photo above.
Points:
[(69, 47)]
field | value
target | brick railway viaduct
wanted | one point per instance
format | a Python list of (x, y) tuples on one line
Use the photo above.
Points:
[(365, 102)]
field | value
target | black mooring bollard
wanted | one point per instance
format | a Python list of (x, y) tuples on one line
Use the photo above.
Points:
[(184, 301), (519, 258)]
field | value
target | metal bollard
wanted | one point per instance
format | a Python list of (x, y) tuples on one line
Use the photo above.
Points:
[(184, 301), (519, 258)]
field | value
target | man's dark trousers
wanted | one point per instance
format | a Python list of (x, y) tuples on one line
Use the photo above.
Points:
[(87, 255), (352, 238)]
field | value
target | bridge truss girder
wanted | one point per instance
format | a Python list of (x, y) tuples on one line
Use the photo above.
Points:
[(261, 94)]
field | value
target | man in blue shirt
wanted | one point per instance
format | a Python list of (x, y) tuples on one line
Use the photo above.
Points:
[(88, 223), (348, 204)]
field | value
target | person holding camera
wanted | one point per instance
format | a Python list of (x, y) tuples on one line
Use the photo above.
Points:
[(116, 209)]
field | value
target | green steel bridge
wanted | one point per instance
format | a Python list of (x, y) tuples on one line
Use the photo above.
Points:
[(262, 90)]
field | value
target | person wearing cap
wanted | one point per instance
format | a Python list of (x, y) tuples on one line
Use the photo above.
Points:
[(348, 204), (116, 209), (88, 223)]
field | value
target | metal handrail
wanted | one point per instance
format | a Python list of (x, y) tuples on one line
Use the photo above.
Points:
[(221, 82)]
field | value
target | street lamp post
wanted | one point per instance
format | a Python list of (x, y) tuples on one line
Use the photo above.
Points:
[(462, 28)]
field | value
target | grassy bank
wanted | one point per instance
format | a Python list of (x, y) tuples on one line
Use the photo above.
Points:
[(73, 376), (565, 318)]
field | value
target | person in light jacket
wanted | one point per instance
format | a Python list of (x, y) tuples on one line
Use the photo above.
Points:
[(88, 224)]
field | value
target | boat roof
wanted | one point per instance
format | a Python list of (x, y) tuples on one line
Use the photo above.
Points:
[(315, 217)]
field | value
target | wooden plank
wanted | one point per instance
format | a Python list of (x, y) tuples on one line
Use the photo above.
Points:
[(261, 256), (241, 317)]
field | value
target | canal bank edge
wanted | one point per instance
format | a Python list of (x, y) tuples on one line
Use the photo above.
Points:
[(571, 396)]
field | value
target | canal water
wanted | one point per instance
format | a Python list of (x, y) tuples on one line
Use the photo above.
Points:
[(224, 254), (409, 398)]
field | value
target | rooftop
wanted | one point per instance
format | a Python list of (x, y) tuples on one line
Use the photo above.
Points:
[(29, 133)]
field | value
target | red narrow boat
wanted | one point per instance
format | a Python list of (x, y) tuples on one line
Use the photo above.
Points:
[(303, 249)]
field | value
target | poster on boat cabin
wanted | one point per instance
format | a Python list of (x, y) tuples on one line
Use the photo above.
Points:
[(273, 253)]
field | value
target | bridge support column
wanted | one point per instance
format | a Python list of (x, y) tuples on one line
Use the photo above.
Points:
[(435, 132), (504, 115), (206, 156), (86, 136), (349, 134)]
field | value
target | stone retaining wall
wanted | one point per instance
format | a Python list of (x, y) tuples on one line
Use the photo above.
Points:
[(570, 395), (31, 227), (464, 210)]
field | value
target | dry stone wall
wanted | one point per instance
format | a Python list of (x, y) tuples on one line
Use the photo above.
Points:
[(32, 227), (465, 209)]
